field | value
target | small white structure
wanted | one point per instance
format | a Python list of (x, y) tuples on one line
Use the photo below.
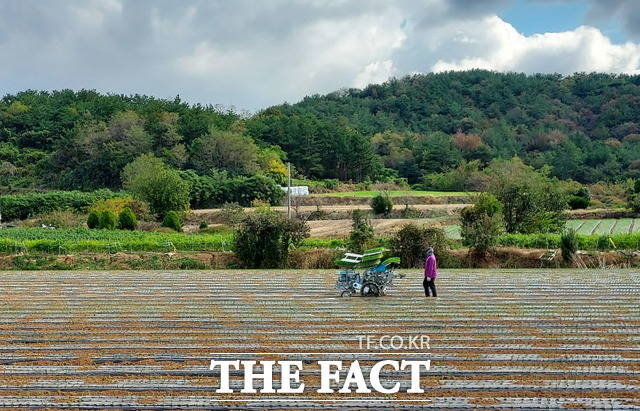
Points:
[(298, 190)]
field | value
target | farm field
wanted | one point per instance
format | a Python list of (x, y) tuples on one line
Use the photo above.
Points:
[(394, 193), (450, 209), (605, 226), (382, 226), (507, 339)]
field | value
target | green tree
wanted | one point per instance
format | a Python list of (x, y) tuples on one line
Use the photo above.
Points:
[(263, 239), (382, 204), (633, 197), (437, 153), (150, 180), (481, 224), (531, 201), (361, 235), (411, 243)]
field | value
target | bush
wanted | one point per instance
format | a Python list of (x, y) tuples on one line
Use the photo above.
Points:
[(331, 183), (481, 224), (173, 221), (263, 239), (22, 206), (231, 213), (568, 244), (127, 219), (93, 221), (381, 204), (107, 220), (220, 188), (362, 234), (203, 225), (411, 242), (577, 203), (583, 193), (138, 207), (634, 203)]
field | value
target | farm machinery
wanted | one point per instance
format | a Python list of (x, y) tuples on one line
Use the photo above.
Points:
[(370, 274)]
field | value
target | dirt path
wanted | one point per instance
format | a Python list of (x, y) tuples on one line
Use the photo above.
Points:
[(446, 207), (341, 228)]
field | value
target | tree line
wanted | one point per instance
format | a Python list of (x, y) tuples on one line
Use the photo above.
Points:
[(428, 129)]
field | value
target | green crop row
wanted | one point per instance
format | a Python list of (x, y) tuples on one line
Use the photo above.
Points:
[(84, 240)]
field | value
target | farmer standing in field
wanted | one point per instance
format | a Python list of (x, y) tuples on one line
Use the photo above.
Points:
[(430, 273)]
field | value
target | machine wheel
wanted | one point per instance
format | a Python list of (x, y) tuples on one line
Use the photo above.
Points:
[(370, 290), (346, 293)]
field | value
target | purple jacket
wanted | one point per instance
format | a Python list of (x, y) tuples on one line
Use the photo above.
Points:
[(430, 267)]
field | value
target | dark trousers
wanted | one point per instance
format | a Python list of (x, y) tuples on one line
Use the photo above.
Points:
[(429, 284)]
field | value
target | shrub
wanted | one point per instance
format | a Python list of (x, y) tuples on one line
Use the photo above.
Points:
[(22, 206), (186, 263), (93, 221), (173, 221), (410, 212), (203, 225), (127, 219), (605, 242), (331, 183), (634, 203), (411, 242), (138, 207), (568, 244), (107, 220), (231, 213), (382, 204), (481, 224), (220, 188), (263, 239), (584, 193), (576, 203), (361, 231)]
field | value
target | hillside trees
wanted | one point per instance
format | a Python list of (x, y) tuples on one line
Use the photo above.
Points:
[(584, 126), (224, 150), (318, 149), (98, 152)]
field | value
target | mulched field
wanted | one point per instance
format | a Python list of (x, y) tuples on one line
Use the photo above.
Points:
[(507, 339)]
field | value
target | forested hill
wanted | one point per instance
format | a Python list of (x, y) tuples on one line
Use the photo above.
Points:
[(585, 126)]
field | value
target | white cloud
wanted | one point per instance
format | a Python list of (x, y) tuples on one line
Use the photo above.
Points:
[(252, 54), (502, 48), (376, 72)]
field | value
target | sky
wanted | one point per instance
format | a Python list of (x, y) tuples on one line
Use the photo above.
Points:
[(250, 54)]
